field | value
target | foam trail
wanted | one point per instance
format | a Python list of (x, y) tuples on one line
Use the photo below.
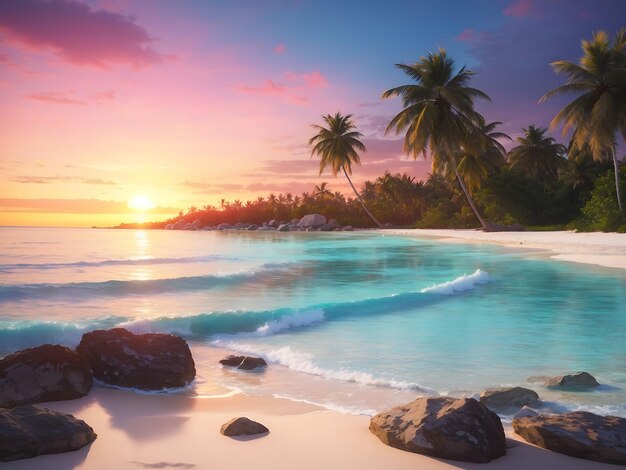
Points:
[(132, 287), (116, 262), (302, 362), (460, 284)]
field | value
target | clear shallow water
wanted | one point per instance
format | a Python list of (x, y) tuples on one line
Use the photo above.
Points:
[(357, 322)]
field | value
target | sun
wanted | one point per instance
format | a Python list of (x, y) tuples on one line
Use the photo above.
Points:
[(141, 203)]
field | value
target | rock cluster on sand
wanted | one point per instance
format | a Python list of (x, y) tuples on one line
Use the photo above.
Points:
[(579, 380), (45, 373), (244, 362), (27, 431), (448, 428), (148, 361), (242, 427), (308, 223), (578, 434), (509, 397)]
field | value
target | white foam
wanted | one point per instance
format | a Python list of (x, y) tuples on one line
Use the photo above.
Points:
[(305, 318), (460, 284), (301, 362)]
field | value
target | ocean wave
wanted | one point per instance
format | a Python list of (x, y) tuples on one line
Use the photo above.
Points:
[(116, 262), (302, 362), (224, 326), (460, 284), (12, 292)]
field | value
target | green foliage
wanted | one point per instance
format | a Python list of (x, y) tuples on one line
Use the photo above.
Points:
[(601, 211)]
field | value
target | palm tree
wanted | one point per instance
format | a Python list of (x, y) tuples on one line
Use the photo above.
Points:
[(476, 162), (598, 114), (438, 113), (537, 155), (337, 146), (322, 193)]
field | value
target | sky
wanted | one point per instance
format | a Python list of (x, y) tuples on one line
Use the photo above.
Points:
[(188, 102)]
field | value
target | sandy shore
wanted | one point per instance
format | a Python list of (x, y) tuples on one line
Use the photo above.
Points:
[(602, 249), (179, 432)]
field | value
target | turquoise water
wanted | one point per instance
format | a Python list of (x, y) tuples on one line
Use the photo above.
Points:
[(353, 321)]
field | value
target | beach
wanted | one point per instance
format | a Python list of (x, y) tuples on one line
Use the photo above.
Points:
[(181, 430), (595, 248)]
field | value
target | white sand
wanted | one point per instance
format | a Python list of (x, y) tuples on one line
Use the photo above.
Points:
[(178, 432), (602, 249)]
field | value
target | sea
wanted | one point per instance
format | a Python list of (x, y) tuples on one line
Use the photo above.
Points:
[(354, 322)]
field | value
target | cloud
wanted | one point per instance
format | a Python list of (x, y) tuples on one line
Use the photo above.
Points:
[(294, 87), (370, 105), (65, 179), (77, 33), (209, 188), (73, 206), (55, 98), (520, 9), (467, 35), (280, 48)]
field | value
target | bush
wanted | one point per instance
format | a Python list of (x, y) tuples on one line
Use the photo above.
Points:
[(601, 211)]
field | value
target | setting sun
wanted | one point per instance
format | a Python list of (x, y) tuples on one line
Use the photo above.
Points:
[(141, 203)]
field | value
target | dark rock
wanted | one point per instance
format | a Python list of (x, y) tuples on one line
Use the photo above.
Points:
[(513, 397), (253, 227), (149, 361), (579, 434), (243, 362), (284, 227), (443, 427), (348, 228), (45, 373), (325, 228), (295, 221), (579, 380), (243, 427), (525, 412), (223, 226), (274, 223), (333, 223), (27, 431)]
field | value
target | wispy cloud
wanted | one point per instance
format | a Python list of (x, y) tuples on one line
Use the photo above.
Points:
[(78, 33), (73, 206), (280, 48), (63, 179), (55, 98), (294, 87), (520, 9)]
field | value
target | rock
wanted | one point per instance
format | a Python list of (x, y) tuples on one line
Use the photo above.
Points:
[(252, 227), (45, 373), (274, 223), (348, 228), (294, 221), (447, 428), (188, 227), (266, 229), (149, 361), (579, 380), (197, 223), (243, 362), (284, 227), (242, 427), (333, 223), (311, 229), (325, 228), (169, 227), (250, 363), (512, 397), (223, 226), (312, 220), (27, 431), (387, 225), (525, 412), (578, 434)]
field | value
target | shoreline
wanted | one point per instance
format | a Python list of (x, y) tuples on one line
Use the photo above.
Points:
[(175, 431), (594, 248)]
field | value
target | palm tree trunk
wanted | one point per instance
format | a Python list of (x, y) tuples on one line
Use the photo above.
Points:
[(356, 193), (616, 165), (469, 198)]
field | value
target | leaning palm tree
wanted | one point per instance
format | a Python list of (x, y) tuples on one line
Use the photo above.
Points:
[(438, 114), (537, 155), (483, 156), (598, 114), (337, 147)]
